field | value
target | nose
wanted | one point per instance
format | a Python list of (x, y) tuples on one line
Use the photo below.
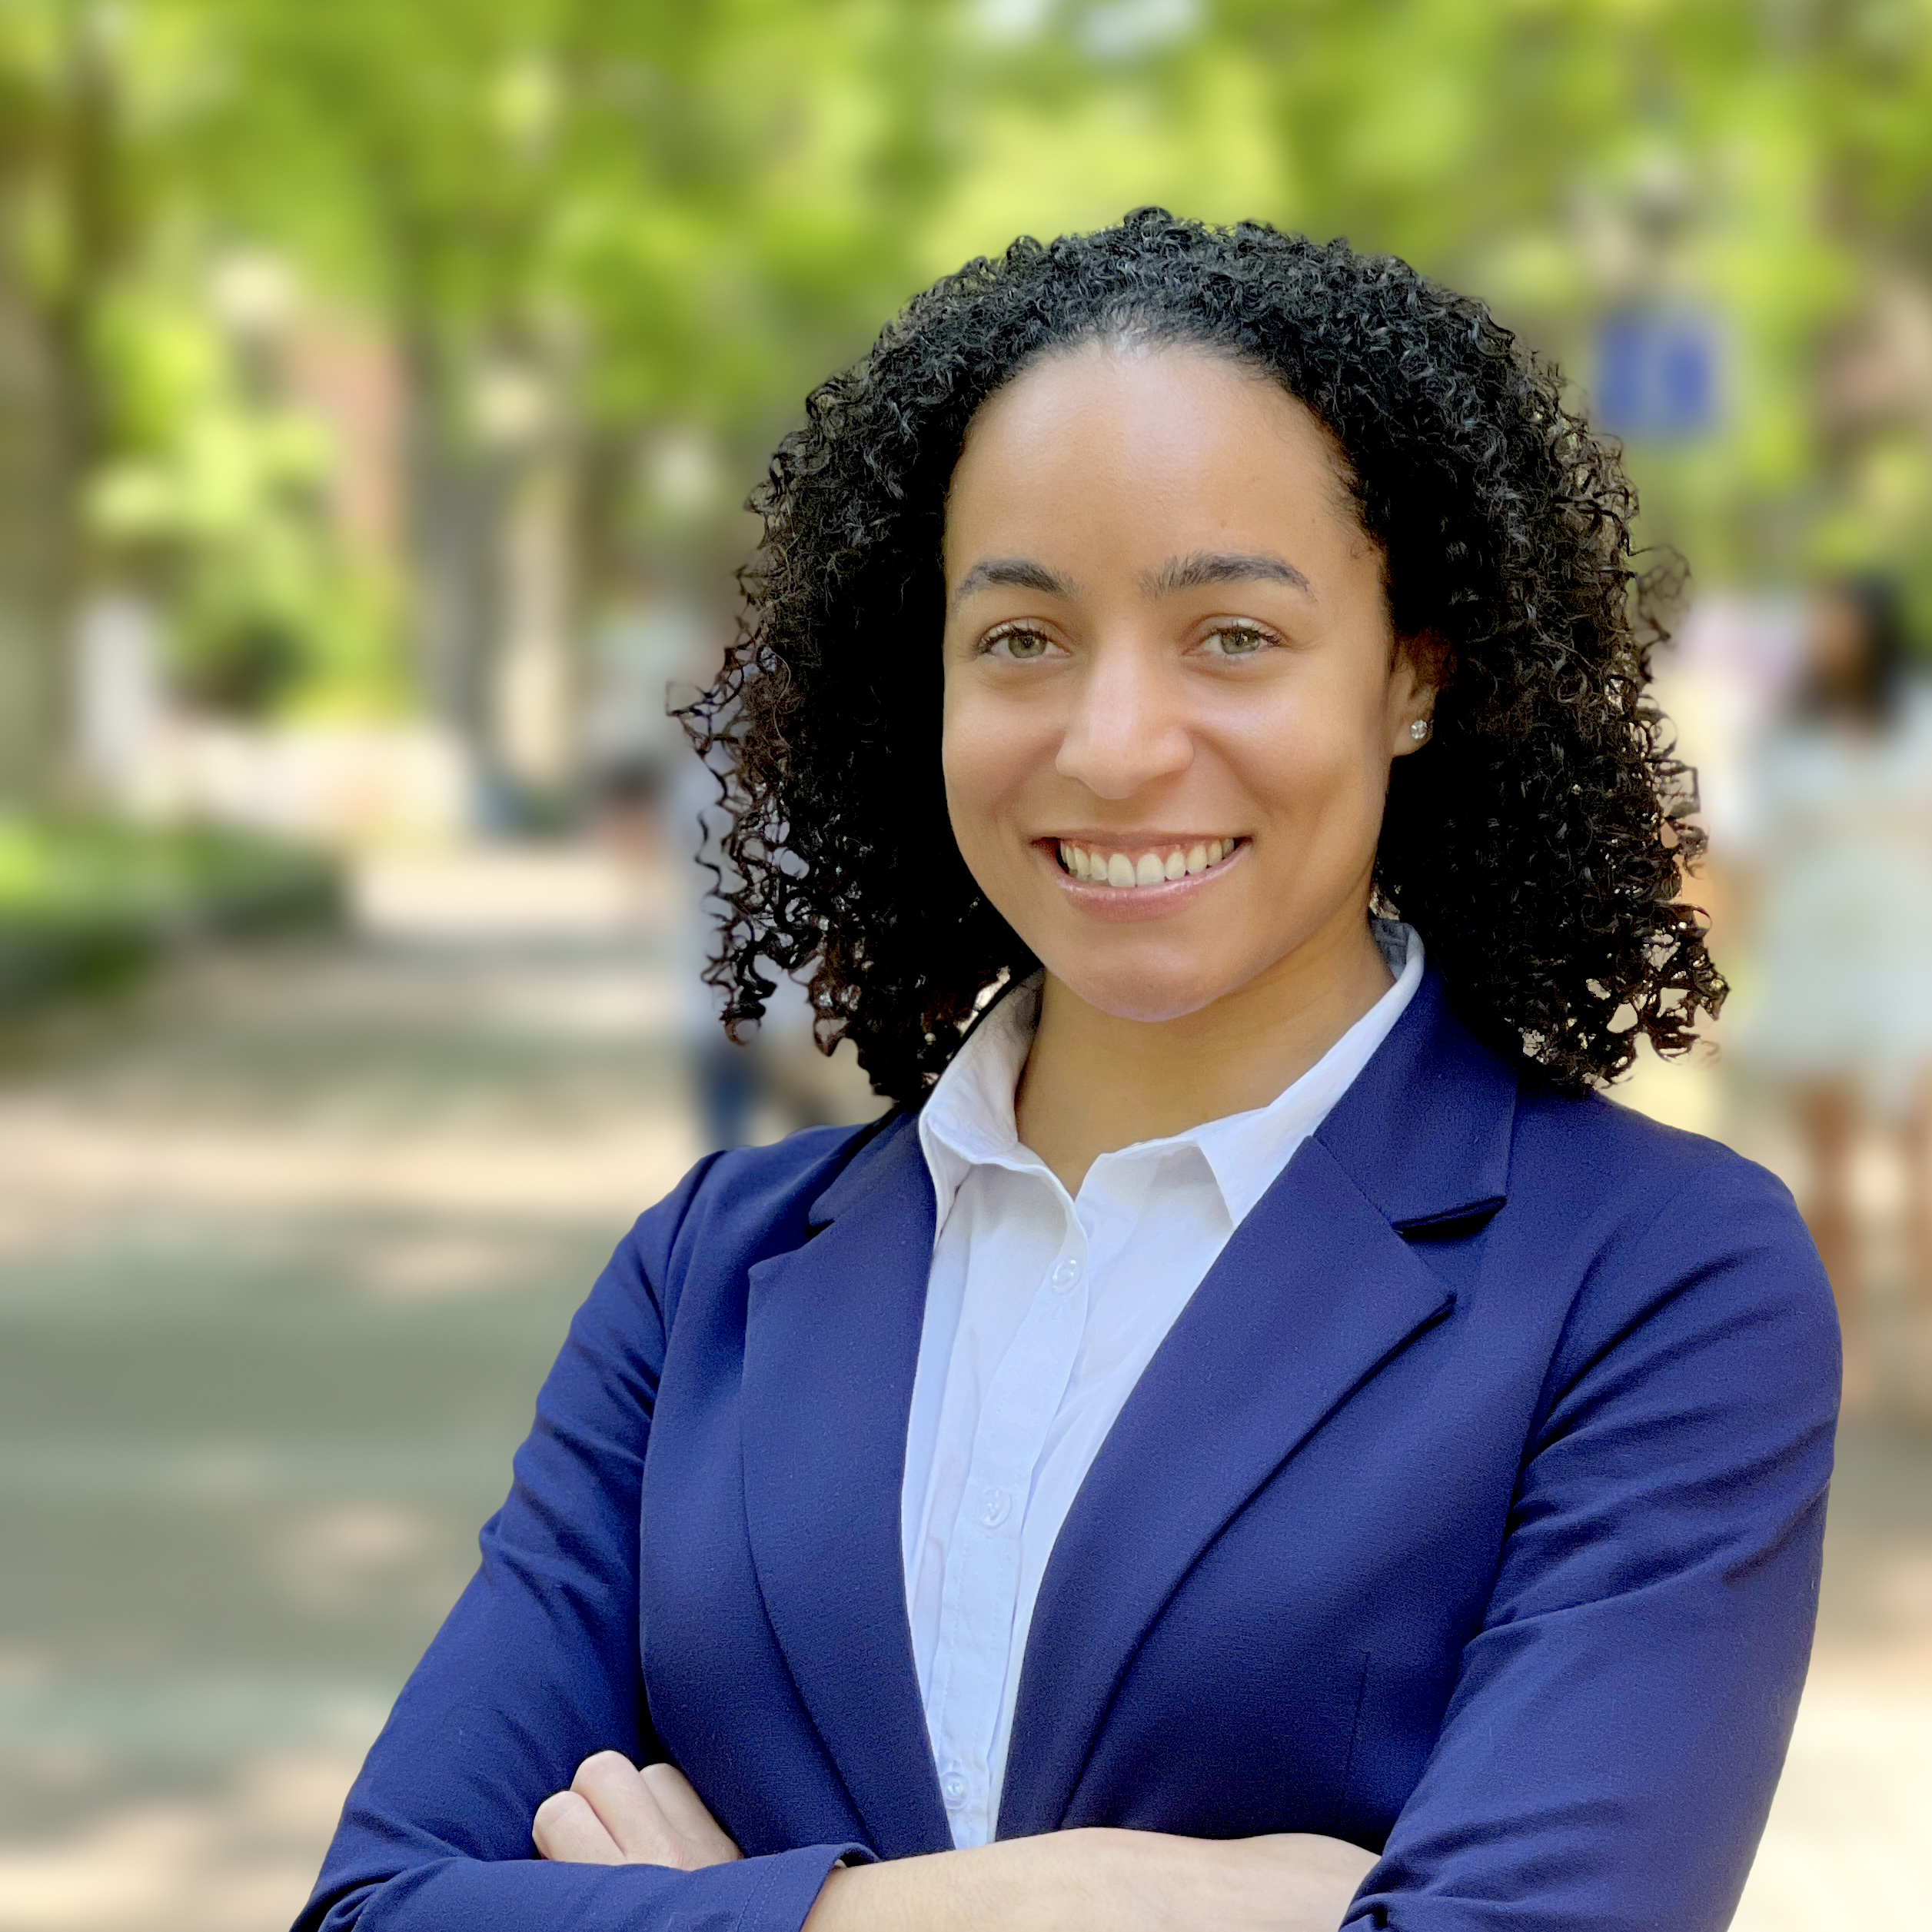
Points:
[(1127, 728)]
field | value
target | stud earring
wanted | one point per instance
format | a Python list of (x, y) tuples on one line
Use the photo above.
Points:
[(1419, 730)]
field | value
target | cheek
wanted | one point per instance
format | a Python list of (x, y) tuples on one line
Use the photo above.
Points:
[(1317, 763), (986, 752)]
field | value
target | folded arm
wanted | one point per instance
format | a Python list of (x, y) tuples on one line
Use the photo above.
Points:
[(536, 1668), (522, 1729), (615, 1813), (1620, 1719), (1605, 1764)]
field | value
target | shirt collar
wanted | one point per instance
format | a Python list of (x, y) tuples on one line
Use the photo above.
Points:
[(968, 1119), (1247, 1151)]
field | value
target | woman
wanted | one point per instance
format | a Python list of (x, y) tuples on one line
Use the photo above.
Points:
[(1248, 1430), (1839, 865)]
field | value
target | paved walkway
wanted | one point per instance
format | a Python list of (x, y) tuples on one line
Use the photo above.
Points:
[(285, 1246)]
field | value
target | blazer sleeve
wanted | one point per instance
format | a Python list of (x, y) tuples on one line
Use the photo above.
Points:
[(1620, 1719), (537, 1667)]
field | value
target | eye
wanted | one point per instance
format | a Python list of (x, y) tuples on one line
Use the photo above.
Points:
[(1019, 646), (1236, 641)]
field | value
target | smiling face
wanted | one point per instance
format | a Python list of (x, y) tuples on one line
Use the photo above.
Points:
[(1173, 691)]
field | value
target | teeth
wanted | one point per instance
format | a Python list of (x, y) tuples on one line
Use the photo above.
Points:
[(1117, 870)]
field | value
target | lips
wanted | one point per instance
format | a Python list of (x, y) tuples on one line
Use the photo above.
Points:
[(1131, 864)]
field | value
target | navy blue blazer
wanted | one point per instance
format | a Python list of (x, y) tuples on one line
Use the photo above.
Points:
[(1471, 1511)]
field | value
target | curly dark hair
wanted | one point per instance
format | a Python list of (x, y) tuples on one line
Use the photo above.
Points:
[(1538, 843)]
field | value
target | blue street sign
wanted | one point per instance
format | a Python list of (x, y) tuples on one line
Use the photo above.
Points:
[(1657, 373)]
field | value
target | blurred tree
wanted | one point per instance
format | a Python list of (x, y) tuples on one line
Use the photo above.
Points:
[(403, 153), (613, 242), (67, 219), (221, 501), (1757, 169), (580, 220)]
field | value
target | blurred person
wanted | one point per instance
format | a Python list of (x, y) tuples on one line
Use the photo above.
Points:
[(654, 809), (633, 752), (1838, 866), (1251, 1439)]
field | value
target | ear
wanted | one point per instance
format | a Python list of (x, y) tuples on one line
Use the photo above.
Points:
[(1423, 667)]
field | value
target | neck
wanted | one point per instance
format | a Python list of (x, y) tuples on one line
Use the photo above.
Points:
[(1094, 1081)]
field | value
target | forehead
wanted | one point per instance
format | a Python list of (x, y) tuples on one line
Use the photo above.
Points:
[(1166, 435)]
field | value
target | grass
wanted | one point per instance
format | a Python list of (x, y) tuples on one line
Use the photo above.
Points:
[(89, 904)]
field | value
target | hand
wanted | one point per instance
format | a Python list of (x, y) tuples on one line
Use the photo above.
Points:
[(615, 1814)]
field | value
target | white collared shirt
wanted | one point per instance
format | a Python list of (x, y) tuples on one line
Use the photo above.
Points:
[(1042, 1310)]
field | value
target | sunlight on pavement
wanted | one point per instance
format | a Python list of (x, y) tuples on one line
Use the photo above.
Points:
[(1851, 1815), (238, 1863)]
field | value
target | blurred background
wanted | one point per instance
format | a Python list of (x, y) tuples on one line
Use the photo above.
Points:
[(380, 385)]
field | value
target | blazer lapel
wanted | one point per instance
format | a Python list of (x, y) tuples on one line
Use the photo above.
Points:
[(1316, 1289), (832, 1341)]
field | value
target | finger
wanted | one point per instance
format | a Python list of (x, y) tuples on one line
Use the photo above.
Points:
[(566, 1829), (686, 1813), (613, 1787)]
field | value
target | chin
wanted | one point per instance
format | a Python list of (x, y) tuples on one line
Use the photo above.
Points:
[(1149, 997)]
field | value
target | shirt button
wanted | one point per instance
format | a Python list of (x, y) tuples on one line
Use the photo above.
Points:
[(1064, 1276), (952, 1788), (994, 1506)]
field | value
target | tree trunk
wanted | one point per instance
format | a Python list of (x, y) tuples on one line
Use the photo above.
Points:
[(536, 672), (52, 433), (455, 507), (37, 557)]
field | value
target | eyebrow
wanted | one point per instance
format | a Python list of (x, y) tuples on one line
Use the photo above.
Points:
[(1204, 568), (1177, 573), (1019, 572)]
